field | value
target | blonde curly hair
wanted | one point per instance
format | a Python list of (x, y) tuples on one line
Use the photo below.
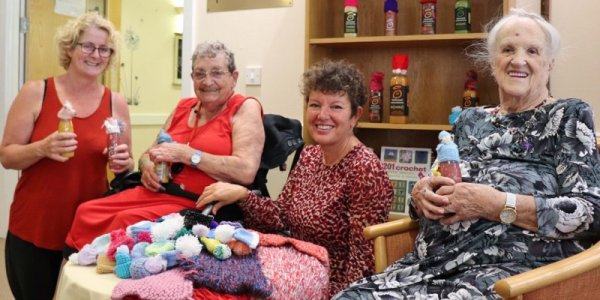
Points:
[(68, 36)]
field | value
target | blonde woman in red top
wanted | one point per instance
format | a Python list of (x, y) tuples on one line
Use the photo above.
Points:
[(51, 185)]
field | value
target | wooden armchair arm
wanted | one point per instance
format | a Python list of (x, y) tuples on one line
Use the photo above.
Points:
[(390, 228), (392, 240), (579, 272)]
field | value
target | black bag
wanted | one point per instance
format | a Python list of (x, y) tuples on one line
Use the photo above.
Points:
[(283, 136), (123, 181)]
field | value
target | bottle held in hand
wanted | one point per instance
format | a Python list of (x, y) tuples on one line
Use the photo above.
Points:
[(65, 123), (113, 129), (448, 161), (162, 169)]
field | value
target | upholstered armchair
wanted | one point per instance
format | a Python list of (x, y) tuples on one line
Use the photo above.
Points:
[(576, 277)]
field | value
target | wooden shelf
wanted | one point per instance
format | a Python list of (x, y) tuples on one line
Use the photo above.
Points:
[(386, 126), (407, 40)]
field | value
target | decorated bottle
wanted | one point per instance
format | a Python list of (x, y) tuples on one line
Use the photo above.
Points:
[(399, 89), (428, 16), (162, 169), (350, 18), (65, 122), (462, 16), (113, 129), (470, 97), (390, 8), (448, 161), (376, 97)]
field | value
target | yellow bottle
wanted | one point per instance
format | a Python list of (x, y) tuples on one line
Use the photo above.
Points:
[(65, 123)]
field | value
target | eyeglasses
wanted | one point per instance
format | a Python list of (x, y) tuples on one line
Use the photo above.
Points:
[(89, 48), (214, 74)]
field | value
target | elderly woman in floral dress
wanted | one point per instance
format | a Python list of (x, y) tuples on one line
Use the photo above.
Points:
[(530, 193)]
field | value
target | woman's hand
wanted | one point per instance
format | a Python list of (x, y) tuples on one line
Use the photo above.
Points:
[(221, 194), (149, 178), (170, 152), (57, 143), (426, 201), (120, 160), (471, 201)]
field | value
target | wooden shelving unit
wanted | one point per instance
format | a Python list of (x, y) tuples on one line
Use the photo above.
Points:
[(437, 69)]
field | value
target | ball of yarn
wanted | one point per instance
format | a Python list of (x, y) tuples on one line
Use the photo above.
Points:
[(224, 233), (166, 229), (155, 264), (144, 236), (188, 245), (200, 230)]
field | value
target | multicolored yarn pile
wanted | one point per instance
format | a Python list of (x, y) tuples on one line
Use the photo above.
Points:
[(235, 261), (152, 247)]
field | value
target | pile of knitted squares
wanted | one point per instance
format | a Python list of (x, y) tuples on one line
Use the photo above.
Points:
[(187, 250), (151, 247)]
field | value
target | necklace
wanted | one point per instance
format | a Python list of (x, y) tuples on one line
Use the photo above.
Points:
[(196, 111), (521, 142)]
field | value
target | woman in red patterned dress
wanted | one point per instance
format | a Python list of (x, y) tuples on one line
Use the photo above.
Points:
[(338, 186)]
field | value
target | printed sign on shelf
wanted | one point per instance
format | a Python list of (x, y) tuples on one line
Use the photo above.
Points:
[(404, 166)]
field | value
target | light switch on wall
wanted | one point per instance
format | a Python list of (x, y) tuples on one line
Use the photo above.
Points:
[(253, 75)]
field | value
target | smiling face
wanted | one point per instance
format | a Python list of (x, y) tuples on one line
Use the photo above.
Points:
[(521, 63), (213, 82), (91, 64), (330, 119)]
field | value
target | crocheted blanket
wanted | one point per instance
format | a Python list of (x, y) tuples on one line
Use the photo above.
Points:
[(176, 257)]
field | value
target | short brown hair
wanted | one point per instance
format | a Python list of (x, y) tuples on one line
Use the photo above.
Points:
[(336, 77)]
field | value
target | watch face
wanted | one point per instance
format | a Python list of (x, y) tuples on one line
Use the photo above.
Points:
[(195, 158), (508, 215)]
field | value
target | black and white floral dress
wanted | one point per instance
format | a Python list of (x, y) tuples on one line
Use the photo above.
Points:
[(550, 153)]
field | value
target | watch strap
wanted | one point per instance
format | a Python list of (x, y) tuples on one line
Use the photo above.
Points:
[(511, 201)]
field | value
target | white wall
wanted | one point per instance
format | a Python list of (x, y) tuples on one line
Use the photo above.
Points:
[(272, 38), (577, 72)]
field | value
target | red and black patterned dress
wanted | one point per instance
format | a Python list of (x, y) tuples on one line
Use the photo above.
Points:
[(329, 206)]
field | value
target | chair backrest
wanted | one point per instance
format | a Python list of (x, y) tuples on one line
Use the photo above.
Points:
[(283, 136)]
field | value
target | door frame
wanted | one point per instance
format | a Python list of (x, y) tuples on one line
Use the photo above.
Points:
[(12, 39)]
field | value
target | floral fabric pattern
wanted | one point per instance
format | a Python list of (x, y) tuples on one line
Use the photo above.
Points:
[(549, 153)]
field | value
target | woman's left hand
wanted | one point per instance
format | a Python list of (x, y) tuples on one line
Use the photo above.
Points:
[(469, 201), (170, 152), (221, 194), (121, 160)]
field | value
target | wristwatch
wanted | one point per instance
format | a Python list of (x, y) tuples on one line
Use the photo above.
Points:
[(196, 158), (509, 213)]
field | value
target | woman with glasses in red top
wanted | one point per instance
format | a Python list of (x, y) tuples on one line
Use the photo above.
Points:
[(52, 185)]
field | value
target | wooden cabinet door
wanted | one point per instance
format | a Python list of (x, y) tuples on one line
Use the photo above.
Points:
[(41, 55)]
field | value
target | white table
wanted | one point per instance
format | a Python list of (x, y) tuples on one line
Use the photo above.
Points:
[(83, 283)]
